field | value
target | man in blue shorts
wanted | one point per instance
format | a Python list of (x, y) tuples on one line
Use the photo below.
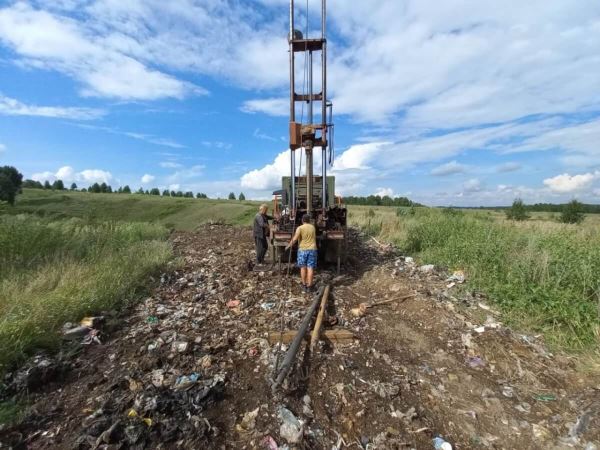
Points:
[(306, 236)]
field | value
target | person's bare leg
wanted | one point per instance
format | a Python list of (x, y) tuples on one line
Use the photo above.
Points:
[(309, 276), (303, 275)]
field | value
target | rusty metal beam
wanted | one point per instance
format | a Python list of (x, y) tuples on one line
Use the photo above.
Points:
[(290, 356)]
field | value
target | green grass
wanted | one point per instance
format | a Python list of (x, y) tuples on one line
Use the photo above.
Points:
[(54, 271), (543, 275), (177, 213)]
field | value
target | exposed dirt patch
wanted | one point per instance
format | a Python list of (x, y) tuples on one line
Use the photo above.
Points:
[(190, 366)]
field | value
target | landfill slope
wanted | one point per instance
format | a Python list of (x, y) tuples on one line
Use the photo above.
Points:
[(190, 366)]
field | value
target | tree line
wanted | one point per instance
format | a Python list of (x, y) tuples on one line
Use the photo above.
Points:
[(104, 188), (12, 183), (377, 200)]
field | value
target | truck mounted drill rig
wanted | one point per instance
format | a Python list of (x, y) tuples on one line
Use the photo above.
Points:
[(309, 194)]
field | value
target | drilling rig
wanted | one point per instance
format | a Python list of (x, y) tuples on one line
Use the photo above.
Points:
[(308, 133)]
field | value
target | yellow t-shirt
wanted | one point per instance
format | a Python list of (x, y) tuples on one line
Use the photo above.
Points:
[(307, 237)]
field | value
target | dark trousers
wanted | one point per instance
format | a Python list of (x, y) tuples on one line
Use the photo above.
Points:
[(261, 248)]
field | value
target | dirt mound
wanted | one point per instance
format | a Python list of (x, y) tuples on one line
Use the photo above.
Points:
[(190, 367)]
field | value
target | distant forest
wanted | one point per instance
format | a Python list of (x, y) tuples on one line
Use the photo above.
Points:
[(376, 200), (543, 207)]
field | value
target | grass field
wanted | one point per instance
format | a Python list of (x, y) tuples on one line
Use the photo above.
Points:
[(544, 275), (54, 271), (177, 213), (64, 255), (86, 251)]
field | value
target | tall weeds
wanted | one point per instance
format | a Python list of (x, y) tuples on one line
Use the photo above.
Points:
[(545, 277), (57, 271)]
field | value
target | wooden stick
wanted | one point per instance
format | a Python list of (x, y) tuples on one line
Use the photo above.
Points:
[(336, 335), (397, 299), (314, 338)]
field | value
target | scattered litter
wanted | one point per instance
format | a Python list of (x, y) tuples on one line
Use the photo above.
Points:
[(77, 332), (267, 306), (545, 397), (427, 268), (206, 361), (291, 428), (152, 320), (475, 362), (185, 382), (180, 346), (233, 304), (508, 391), (270, 443), (440, 444), (248, 422), (360, 311), (458, 276)]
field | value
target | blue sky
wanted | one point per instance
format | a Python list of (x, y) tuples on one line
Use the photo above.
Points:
[(450, 103)]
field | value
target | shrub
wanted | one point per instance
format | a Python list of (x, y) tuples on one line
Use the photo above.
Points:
[(517, 211), (572, 213), (10, 184)]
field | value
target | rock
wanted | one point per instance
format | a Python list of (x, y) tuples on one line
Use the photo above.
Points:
[(291, 428)]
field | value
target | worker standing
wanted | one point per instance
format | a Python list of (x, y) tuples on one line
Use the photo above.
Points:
[(261, 231), (306, 236)]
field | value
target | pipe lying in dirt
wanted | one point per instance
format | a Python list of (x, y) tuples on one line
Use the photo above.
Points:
[(290, 356)]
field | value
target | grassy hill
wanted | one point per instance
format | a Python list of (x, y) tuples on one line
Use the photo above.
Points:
[(177, 213)]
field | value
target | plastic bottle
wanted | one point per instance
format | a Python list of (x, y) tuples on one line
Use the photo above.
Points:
[(440, 444)]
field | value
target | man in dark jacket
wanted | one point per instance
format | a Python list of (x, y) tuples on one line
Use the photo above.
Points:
[(261, 231)]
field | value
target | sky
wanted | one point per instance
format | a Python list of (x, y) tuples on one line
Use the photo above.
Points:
[(460, 102)]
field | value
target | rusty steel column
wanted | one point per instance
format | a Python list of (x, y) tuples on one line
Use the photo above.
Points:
[(309, 178), (324, 103), (292, 110)]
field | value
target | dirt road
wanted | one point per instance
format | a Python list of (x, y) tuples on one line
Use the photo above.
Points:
[(190, 366)]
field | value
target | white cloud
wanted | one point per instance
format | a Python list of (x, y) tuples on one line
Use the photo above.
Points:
[(269, 177), (566, 183), (149, 138), (449, 168), (270, 106), (262, 135), (359, 155), (95, 176), (174, 187), (170, 165), (473, 185), (187, 175), (596, 192), (508, 167), (68, 174), (147, 178), (2, 148), (488, 66), (44, 176), (12, 107), (81, 50), (382, 192)]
